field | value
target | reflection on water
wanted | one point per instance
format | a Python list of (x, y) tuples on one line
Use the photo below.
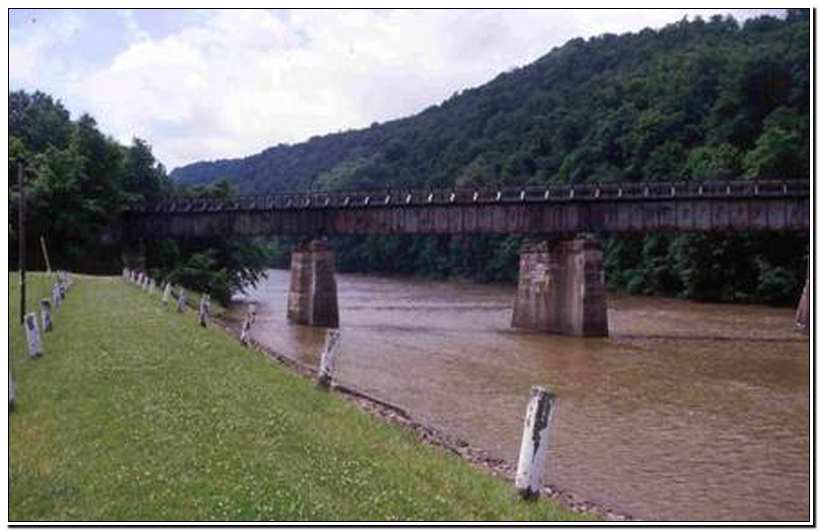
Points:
[(687, 412)]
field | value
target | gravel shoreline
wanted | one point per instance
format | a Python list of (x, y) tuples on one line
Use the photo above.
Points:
[(429, 435)]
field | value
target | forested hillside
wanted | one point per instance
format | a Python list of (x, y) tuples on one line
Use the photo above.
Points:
[(694, 100)]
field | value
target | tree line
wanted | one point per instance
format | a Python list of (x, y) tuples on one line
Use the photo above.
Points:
[(78, 180)]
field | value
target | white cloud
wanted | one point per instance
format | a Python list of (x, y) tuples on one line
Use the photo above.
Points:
[(132, 26), (239, 81), (32, 58)]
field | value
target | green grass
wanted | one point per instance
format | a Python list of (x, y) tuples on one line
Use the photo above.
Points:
[(137, 413)]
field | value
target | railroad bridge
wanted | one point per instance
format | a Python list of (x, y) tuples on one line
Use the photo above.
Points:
[(561, 288)]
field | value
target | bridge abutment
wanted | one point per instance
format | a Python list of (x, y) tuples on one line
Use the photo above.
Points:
[(312, 299), (561, 288)]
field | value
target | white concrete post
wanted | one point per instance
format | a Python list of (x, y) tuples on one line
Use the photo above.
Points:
[(166, 294), (251, 310), (151, 287), (11, 392), (180, 303), (131, 277), (45, 314), (35, 343), (534, 446), (244, 338), (145, 283), (125, 273), (204, 310), (327, 368), (56, 300)]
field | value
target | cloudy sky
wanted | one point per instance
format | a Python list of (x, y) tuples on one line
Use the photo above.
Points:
[(220, 84)]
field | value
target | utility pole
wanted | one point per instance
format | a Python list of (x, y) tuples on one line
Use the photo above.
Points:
[(21, 235)]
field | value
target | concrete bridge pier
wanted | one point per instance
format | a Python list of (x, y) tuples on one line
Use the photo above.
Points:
[(312, 299), (561, 288)]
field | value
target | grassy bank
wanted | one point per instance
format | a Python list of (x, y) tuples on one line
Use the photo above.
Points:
[(137, 413)]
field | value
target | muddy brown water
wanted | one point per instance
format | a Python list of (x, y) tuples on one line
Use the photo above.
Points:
[(687, 412)]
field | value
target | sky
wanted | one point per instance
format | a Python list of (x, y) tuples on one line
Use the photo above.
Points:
[(212, 84)]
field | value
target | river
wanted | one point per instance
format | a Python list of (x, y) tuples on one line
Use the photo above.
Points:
[(687, 411)]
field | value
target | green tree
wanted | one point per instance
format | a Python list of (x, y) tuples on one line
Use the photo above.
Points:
[(710, 162), (781, 151), (220, 267), (38, 121), (144, 178)]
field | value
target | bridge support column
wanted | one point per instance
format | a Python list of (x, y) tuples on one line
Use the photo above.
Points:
[(803, 311), (312, 299), (133, 255), (561, 288)]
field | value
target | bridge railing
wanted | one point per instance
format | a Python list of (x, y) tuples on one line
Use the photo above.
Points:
[(461, 196)]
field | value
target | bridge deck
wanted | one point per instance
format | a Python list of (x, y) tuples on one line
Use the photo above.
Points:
[(548, 210)]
